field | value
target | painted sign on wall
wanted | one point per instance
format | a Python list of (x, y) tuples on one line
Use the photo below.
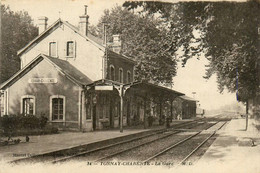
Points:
[(106, 88), (43, 80)]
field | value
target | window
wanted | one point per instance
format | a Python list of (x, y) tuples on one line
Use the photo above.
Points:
[(128, 77), (112, 72), (70, 49), (1, 104), (28, 105), (53, 49), (88, 106), (121, 79), (88, 111), (57, 107)]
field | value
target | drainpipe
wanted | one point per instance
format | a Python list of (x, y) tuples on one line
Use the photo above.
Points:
[(80, 108), (121, 94)]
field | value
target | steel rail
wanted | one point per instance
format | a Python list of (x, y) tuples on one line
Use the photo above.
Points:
[(200, 145), (131, 148), (105, 147), (176, 144), (86, 152), (168, 148), (120, 143)]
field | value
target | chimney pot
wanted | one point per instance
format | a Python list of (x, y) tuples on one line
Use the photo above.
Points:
[(83, 22), (42, 24), (86, 8), (116, 46)]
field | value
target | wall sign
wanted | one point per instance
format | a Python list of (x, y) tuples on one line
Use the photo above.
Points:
[(106, 88), (43, 80)]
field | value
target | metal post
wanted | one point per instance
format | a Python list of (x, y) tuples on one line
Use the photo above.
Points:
[(122, 107), (145, 112), (171, 108), (160, 121)]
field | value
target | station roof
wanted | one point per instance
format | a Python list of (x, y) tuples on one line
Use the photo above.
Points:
[(63, 66), (145, 89), (141, 88), (184, 97), (70, 70)]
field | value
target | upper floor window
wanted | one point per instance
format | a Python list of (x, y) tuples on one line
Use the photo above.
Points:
[(57, 107), (112, 72), (128, 77), (70, 49), (53, 49), (28, 105), (121, 78)]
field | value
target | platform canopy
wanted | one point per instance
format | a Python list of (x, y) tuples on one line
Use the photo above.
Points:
[(140, 88), (148, 89)]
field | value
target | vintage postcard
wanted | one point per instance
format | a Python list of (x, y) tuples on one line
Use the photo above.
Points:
[(123, 86)]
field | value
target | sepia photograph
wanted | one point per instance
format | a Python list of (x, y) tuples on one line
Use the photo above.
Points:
[(129, 86)]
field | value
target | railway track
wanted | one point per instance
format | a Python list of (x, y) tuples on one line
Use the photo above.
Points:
[(124, 146), (110, 153), (121, 148), (180, 152), (144, 152), (78, 151)]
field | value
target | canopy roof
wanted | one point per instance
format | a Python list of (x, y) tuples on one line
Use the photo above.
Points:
[(141, 88)]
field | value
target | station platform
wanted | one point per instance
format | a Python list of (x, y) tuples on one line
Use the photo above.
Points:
[(49, 143), (42, 144), (235, 150)]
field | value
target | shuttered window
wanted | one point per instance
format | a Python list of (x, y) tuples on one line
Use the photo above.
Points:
[(70, 49), (112, 73), (28, 105), (53, 49), (121, 79), (128, 77)]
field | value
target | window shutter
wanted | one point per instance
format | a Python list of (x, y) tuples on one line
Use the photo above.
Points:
[(75, 48)]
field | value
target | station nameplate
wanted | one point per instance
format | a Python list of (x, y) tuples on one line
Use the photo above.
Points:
[(106, 88), (43, 80)]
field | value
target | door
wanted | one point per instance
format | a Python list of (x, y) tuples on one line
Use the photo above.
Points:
[(94, 117)]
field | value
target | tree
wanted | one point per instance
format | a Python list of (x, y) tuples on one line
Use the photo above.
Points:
[(17, 30), (228, 38), (144, 41)]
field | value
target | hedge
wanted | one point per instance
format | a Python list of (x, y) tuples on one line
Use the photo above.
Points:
[(13, 125)]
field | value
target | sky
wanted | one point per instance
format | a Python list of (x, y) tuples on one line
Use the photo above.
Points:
[(188, 79)]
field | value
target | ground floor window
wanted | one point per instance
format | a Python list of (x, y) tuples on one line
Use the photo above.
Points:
[(57, 107), (88, 111), (28, 105), (1, 104)]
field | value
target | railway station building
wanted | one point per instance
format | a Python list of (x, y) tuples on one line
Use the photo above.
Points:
[(75, 80), (185, 107)]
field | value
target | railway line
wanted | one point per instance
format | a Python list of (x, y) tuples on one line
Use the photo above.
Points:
[(150, 147)]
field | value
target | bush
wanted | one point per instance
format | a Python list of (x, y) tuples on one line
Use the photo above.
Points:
[(54, 130), (43, 121), (18, 124)]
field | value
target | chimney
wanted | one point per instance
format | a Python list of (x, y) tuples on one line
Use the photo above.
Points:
[(83, 22), (116, 46), (42, 23)]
